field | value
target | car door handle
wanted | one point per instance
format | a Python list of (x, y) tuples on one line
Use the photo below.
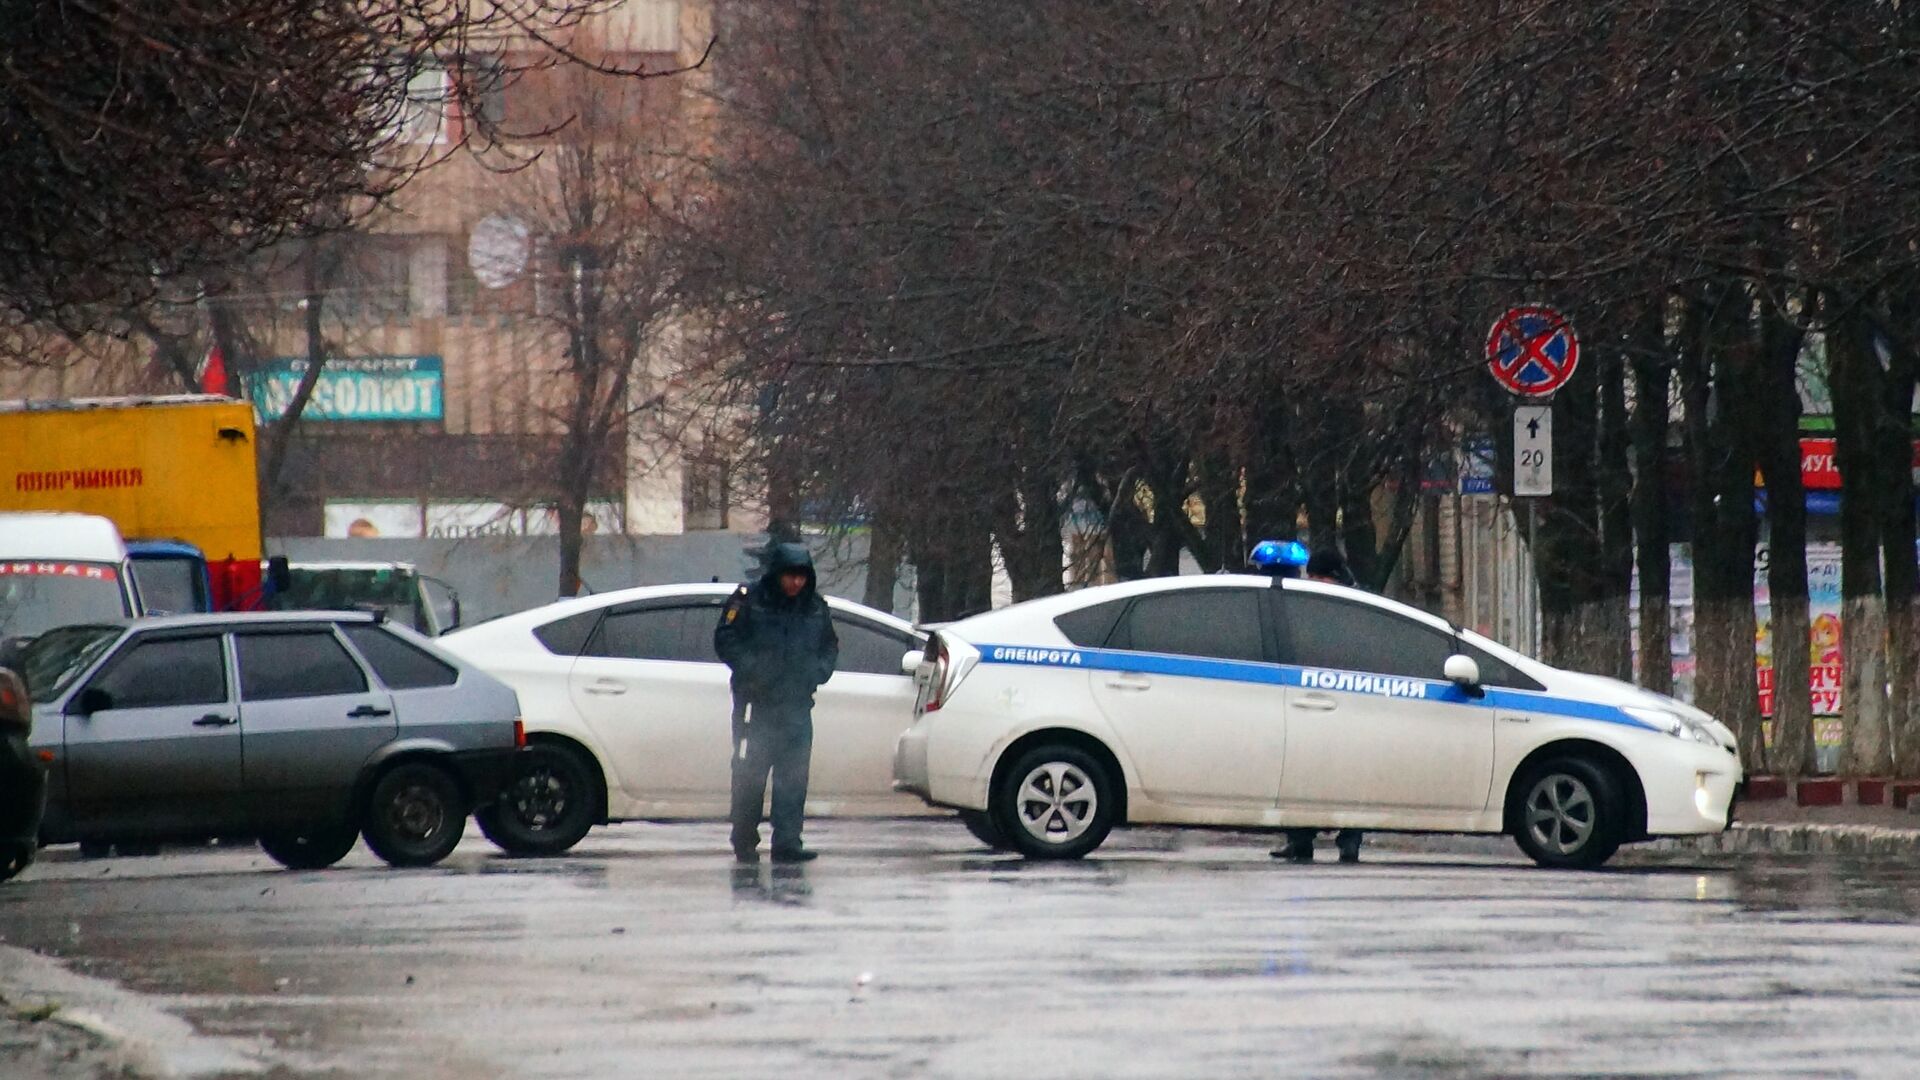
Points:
[(1130, 681), (214, 719), (607, 687), (1315, 703), (369, 710)]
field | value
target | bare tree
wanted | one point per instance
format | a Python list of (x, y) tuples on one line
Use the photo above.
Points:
[(601, 205)]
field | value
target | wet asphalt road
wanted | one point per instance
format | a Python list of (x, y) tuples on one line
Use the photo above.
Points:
[(907, 951)]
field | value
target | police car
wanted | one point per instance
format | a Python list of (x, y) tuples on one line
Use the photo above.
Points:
[(1261, 701)]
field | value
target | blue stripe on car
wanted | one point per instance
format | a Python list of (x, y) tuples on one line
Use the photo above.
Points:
[(1248, 671)]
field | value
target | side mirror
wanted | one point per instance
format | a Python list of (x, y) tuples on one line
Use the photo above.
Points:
[(1463, 671), (910, 663), (91, 700), (279, 574)]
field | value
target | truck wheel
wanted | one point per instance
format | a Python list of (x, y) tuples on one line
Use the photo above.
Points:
[(1569, 812), (546, 807), (415, 815), (311, 849), (1057, 802)]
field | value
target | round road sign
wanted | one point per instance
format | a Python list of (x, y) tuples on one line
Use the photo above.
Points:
[(1532, 350)]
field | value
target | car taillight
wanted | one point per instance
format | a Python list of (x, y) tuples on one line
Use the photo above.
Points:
[(937, 681), (519, 733)]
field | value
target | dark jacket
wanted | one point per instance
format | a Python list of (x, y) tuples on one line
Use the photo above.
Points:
[(780, 649)]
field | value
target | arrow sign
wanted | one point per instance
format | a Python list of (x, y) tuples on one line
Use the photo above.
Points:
[(1533, 450)]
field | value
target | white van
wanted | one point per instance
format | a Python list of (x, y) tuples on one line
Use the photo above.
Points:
[(59, 569)]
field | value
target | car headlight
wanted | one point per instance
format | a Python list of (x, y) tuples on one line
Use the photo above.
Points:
[(1680, 727)]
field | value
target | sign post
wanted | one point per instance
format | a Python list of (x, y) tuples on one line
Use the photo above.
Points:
[(1533, 450), (1531, 352)]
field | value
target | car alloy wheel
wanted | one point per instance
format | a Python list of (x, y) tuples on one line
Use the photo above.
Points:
[(1568, 813), (414, 815), (1561, 814), (546, 807), (1057, 803)]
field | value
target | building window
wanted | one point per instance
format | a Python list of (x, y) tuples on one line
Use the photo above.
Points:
[(422, 118), (704, 498)]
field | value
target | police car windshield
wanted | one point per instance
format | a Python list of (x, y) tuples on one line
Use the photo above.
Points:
[(37, 596)]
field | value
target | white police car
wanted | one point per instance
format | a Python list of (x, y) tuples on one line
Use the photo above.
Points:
[(1251, 701)]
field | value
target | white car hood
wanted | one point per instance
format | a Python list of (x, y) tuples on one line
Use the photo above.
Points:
[(1600, 688)]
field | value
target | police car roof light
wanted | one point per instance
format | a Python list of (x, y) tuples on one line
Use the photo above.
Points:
[(1271, 555)]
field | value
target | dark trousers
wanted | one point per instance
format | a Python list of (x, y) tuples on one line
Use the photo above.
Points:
[(778, 741)]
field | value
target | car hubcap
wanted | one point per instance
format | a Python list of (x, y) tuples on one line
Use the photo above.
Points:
[(1561, 813), (417, 813), (1057, 802), (540, 799)]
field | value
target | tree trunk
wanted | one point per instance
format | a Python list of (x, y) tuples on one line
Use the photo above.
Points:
[(1272, 483), (954, 571), (1027, 527), (1652, 386), (281, 430), (1898, 541), (1790, 631), (570, 514), (1856, 386), (1565, 549), (1610, 625), (1716, 370), (883, 562)]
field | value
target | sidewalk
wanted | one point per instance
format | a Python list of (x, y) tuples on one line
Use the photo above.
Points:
[(1783, 827)]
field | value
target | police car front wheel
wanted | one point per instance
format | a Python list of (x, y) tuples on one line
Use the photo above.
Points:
[(1568, 814), (1055, 802)]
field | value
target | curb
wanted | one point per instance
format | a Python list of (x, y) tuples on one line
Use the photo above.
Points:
[(1802, 839)]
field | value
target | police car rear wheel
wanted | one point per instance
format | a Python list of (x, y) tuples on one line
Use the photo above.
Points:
[(1568, 816), (1056, 802)]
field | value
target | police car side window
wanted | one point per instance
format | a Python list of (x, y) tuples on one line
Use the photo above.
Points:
[(1495, 672), (1220, 624), (1090, 627), (1325, 632)]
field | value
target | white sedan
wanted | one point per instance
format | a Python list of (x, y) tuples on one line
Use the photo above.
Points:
[(630, 707), (1249, 701)]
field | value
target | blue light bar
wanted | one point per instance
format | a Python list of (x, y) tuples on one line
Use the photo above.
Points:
[(1276, 554)]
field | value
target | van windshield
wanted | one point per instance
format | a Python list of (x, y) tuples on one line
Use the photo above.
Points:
[(169, 585), (37, 596)]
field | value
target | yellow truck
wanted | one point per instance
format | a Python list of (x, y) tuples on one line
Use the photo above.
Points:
[(177, 474)]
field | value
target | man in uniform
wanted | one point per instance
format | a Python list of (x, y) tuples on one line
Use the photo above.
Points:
[(777, 637)]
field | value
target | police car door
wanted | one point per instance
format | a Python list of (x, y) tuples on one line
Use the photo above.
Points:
[(1189, 692), (1372, 723)]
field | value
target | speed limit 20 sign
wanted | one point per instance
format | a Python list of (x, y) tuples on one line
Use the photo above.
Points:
[(1533, 450)]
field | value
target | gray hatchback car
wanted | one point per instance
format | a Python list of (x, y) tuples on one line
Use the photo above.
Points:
[(304, 729)]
